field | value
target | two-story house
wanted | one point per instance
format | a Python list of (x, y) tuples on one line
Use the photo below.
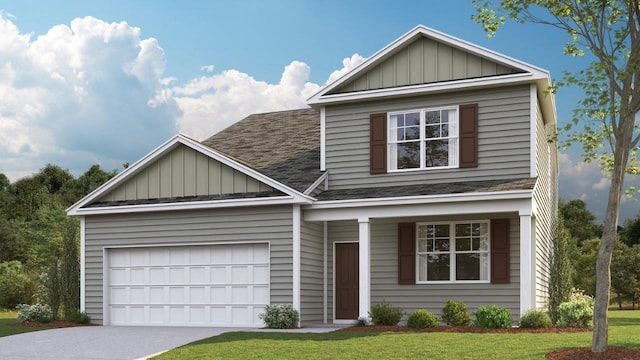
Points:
[(424, 174)]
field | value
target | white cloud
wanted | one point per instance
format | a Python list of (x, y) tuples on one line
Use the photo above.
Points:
[(207, 68), (347, 64)]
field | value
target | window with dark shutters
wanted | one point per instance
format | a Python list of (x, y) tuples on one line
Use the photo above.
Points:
[(407, 253), (468, 135), (378, 143), (500, 251)]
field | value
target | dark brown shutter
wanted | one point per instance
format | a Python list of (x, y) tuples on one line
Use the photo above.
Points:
[(407, 253), (378, 143), (468, 135), (500, 251)]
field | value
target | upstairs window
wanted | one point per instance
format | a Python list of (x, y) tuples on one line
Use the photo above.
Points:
[(423, 139)]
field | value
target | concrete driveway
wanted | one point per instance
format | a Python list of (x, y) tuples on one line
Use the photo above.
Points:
[(101, 342)]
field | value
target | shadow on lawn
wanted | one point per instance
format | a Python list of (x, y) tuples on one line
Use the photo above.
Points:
[(246, 335), (623, 321)]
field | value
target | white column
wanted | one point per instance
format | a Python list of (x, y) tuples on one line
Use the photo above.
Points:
[(365, 268), (296, 257), (527, 264), (82, 266), (325, 275)]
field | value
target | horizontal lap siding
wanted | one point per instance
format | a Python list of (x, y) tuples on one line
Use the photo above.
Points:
[(384, 270), (311, 270), (269, 224), (503, 139)]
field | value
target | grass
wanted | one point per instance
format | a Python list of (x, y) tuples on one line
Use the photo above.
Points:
[(624, 331), (8, 317)]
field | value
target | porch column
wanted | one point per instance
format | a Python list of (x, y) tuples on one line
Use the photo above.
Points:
[(364, 267), (527, 263)]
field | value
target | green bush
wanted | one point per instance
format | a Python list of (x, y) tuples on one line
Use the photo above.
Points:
[(535, 319), (16, 286), (385, 314), (280, 316), (421, 319), (34, 313), (455, 313), (78, 317), (493, 317), (362, 322), (578, 312)]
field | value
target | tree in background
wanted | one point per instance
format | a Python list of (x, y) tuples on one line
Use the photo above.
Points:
[(579, 220), (625, 273), (560, 274), (631, 233), (609, 30)]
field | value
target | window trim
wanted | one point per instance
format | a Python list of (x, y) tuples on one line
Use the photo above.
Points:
[(422, 139), (452, 260)]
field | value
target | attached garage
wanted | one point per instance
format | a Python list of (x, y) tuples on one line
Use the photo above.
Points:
[(195, 285)]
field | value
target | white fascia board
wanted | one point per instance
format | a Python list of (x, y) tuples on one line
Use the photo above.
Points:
[(296, 257), (83, 271), (190, 205), (422, 30), (429, 88), (170, 145), (323, 138), (533, 132), (316, 183), (519, 202)]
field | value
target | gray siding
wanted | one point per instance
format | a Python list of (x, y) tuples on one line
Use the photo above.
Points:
[(270, 223), (503, 139), (311, 272), (545, 198), (384, 270), (184, 172), (424, 61)]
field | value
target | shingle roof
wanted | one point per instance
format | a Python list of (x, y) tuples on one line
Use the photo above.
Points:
[(284, 145), (429, 189)]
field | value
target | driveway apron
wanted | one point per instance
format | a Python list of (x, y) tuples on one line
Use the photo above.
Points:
[(101, 342)]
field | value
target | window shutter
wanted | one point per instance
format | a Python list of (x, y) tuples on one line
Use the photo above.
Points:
[(378, 143), (500, 251), (468, 135), (407, 253)]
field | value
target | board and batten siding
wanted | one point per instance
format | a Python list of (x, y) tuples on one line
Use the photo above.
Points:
[(272, 224), (424, 61), (311, 272), (384, 269), (184, 172), (545, 198), (503, 139)]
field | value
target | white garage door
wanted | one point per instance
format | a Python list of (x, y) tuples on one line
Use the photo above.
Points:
[(213, 285)]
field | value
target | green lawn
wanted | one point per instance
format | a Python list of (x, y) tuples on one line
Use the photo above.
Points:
[(8, 317), (624, 331)]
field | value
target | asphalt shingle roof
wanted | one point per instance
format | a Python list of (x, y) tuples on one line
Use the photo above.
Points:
[(429, 189)]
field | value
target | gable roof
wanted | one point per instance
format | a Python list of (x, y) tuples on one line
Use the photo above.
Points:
[(82, 206), (283, 145), (520, 73)]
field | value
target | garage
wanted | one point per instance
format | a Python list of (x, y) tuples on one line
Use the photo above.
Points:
[(195, 285)]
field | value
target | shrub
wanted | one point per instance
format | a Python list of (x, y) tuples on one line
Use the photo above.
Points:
[(280, 316), (535, 319), (560, 272), (385, 314), (78, 317), (362, 322), (578, 312), (34, 313), (455, 313), (16, 286), (422, 319), (493, 317)]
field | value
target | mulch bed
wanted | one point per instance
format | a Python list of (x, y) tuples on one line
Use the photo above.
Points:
[(612, 353), (465, 329), (49, 325)]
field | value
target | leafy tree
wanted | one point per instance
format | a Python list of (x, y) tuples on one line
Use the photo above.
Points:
[(625, 272), (560, 276), (16, 286), (53, 177), (609, 30), (70, 267), (631, 233), (584, 276), (29, 195), (93, 178), (578, 220)]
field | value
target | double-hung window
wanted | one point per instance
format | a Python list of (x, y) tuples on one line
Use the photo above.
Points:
[(453, 252), (423, 139)]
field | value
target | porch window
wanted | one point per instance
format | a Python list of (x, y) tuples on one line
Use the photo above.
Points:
[(453, 252), (423, 139)]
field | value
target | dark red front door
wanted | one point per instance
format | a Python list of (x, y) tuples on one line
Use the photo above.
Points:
[(347, 273)]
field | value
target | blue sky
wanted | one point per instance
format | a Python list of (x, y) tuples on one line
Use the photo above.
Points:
[(212, 63)]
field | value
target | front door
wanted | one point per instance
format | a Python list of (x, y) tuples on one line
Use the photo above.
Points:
[(346, 278)]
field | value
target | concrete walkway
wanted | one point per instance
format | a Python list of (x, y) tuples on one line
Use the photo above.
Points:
[(112, 342)]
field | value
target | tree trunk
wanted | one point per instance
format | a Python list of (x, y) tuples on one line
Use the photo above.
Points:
[(607, 244), (619, 301)]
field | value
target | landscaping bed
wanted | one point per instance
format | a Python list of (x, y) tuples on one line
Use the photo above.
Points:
[(465, 329), (612, 353)]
